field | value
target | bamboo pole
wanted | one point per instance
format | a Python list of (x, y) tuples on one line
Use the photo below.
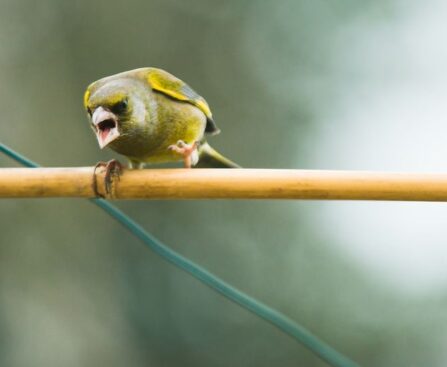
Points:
[(224, 184)]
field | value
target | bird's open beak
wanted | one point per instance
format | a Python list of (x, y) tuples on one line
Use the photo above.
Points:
[(106, 126)]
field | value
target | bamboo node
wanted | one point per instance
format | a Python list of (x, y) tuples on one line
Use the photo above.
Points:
[(95, 187), (109, 173)]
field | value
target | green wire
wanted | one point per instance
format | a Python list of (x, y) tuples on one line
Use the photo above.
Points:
[(290, 327)]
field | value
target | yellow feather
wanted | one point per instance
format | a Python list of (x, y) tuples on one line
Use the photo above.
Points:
[(115, 98), (168, 84), (204, 107), (86, 98)]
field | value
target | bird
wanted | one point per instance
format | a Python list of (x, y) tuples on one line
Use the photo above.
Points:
[(150, 116)]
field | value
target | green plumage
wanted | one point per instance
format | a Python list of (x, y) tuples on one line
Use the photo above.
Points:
[(152, 111)]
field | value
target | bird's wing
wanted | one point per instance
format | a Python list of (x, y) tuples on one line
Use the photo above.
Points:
[(166, 83)]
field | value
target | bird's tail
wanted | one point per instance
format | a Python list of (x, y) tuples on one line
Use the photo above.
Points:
[(210, 158)]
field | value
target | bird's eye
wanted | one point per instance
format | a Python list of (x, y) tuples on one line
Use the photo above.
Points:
[(120, 107), (89, 111)]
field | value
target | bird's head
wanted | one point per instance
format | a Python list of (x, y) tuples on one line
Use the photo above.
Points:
[(116, 107)]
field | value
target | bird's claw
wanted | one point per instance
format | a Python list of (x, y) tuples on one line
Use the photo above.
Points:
[(113, 171), (188, 151)]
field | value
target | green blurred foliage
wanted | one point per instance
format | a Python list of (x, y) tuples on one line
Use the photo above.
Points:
[(77, 290)]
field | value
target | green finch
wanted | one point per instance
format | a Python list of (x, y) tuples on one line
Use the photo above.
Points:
[(150, 116)]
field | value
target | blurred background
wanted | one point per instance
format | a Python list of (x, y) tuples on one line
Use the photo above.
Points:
[(292, 84)]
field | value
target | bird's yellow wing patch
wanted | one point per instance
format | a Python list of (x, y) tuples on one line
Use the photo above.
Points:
[(168, 84), (86, 97)]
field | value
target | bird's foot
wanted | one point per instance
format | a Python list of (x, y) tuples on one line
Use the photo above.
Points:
[(113, 171), (188, 151)]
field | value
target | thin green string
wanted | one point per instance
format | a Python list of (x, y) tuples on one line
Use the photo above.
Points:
[(290, 327)]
